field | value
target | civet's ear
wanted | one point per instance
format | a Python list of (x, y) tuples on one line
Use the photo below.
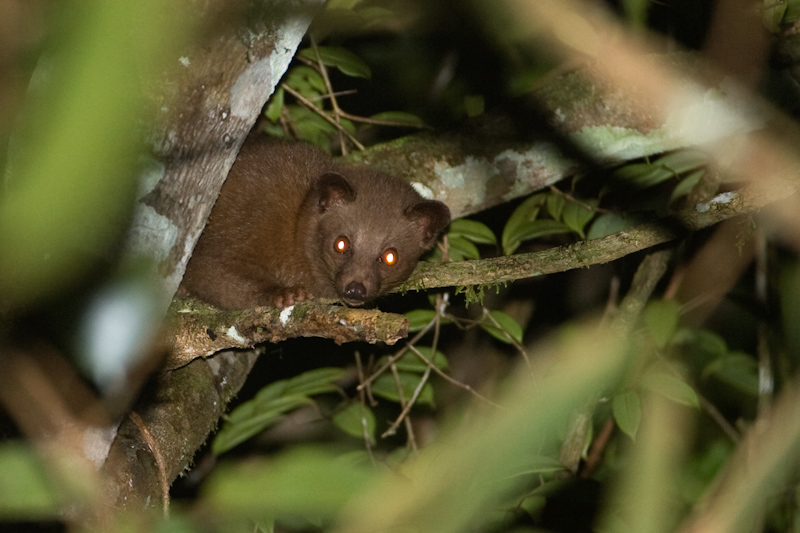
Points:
[(333, 189), (432, 217)]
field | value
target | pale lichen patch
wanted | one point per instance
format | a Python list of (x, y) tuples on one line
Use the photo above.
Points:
[(465, 183), (152, 234), (718, 200), (242, 96), (539, 166), (286, 314), (232, 333), (423, 190)]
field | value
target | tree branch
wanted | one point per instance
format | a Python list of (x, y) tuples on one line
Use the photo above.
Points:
[(183, 409), (746, 201), (197, 329)]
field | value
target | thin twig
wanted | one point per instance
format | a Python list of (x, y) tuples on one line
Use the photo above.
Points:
[(346, 92), (612, 302), (705, 404), (410, 345), (407, 408), (362, 397), (517, 345), (393, 359), (287, 124), (379, 122), (574, 200), (452, 380), (321, 112), (719, 418), (412, 441), (595, 454), (355, 118), (337, 113), (424, 379)]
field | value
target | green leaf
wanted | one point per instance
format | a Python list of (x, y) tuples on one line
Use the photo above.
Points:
[(541, 464), (272, 402), (386, 387), (410, 362), (533, 230), (671, 387), (772, 16), (608, 224), (306, 81), (636, 12), (356, 420), (526, 79), (438, 359), (251, 418), (345, 60), (792, 12), (644, 174), (555, 205), (576, 216), (661, 319), (524, 214), (738, 370), (474, 105), (303, 482), (374, 14), (419, 319), (348, 125), (400, 117), (433, 256), (627, 410), (459, 249), (26, 492), (686, 184), (273, 130), (310, 126), (683, 161), (273, 110), (508, 327), (533, 505), (701, 343), (472, 230), (703, 467), (317, 381)]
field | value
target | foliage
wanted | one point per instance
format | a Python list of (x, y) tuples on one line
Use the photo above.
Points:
[(561, 213), (253, 416), (317, 117)]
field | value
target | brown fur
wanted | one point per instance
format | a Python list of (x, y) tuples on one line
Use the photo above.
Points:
[(270, 237)]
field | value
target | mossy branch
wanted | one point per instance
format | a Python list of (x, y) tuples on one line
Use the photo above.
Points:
[(746, 201), (197, 329)]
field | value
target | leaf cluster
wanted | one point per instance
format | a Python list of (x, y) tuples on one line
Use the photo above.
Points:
[(316, 116)]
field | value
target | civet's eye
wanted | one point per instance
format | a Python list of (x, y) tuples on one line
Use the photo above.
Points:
[(341, 244), (389, 257)]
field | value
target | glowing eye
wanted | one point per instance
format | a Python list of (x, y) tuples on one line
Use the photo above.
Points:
[(389, 256), (341, 245)]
